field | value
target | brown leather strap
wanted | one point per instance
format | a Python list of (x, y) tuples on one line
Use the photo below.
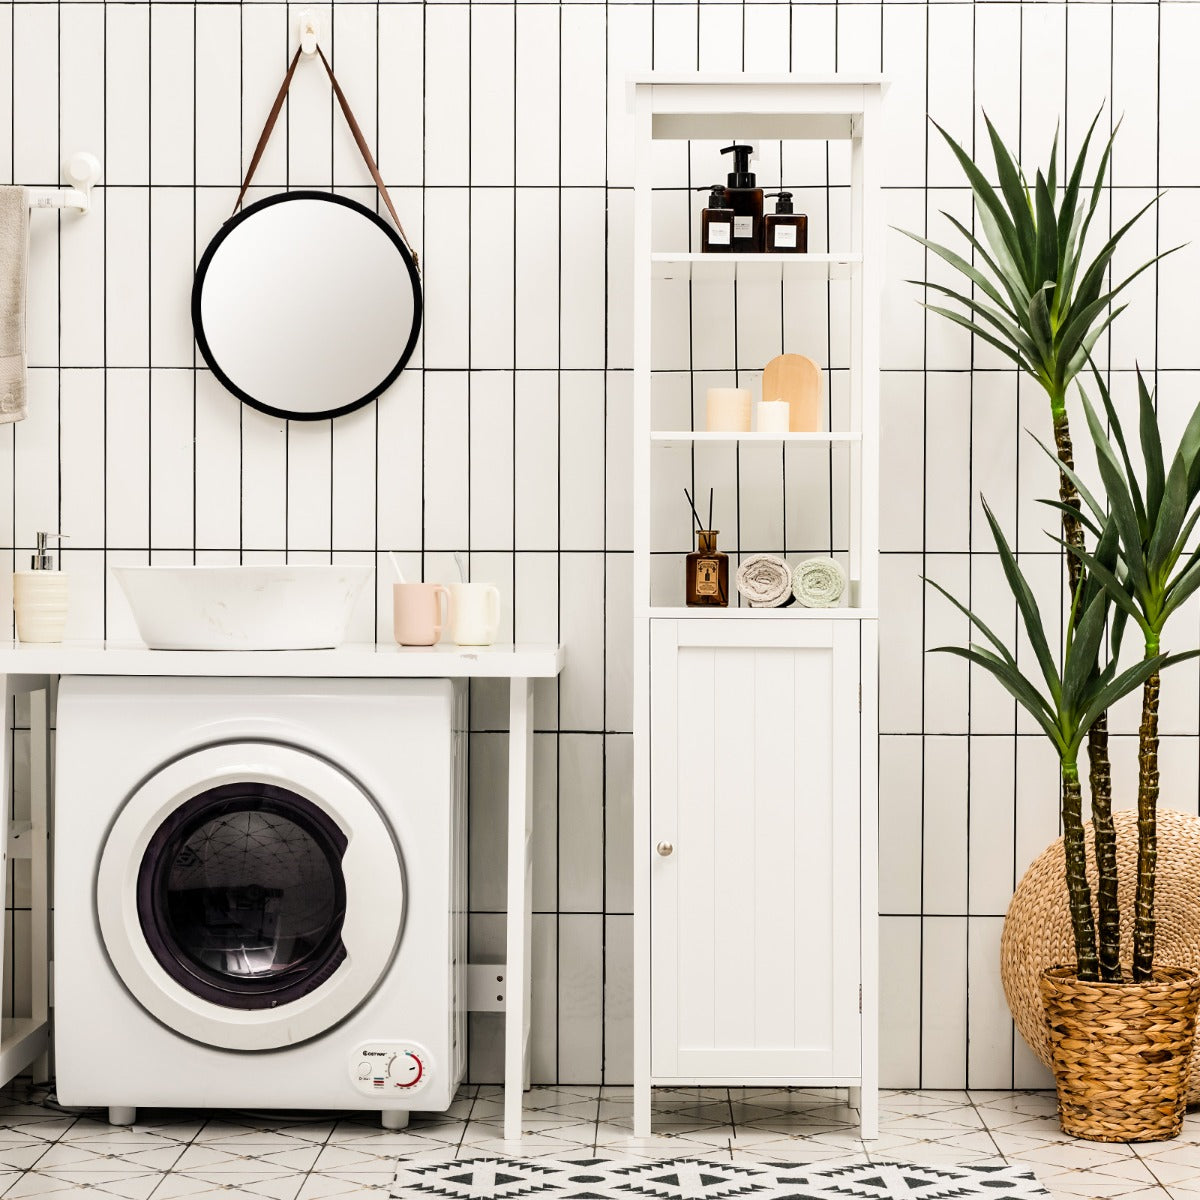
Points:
[(355, 130), (268, 128)]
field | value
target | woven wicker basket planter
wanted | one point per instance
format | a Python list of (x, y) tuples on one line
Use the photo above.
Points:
[(1037, 930), (1122, 1053)]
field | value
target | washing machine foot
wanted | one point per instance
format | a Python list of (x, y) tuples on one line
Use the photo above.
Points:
[(394, 1118), (122, 1116)]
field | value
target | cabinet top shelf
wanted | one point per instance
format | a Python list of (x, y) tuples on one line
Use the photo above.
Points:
[(791, 107)]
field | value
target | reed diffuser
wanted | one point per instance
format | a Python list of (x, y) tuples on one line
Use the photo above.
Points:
[(707, 572)]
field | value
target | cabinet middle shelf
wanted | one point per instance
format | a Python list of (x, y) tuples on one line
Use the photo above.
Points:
[(752, 268), (668, 436)]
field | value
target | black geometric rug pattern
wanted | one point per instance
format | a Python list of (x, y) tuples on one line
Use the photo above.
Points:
[(699, 1179)]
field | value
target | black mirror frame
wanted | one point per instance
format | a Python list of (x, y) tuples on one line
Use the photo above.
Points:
[(198, 287)]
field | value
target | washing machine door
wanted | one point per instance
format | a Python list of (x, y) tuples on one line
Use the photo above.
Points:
[(250, 895)]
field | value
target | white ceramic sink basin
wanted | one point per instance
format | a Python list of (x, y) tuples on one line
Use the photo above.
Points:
[(304, 607)]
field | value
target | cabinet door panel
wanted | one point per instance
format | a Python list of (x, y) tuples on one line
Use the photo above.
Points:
[(754, 913)]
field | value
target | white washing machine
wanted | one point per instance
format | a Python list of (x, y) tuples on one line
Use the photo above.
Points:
[(260, 894)]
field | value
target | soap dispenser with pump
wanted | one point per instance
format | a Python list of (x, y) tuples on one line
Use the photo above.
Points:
[(746, 200), (40, 596), (785, 231), (716, 222)]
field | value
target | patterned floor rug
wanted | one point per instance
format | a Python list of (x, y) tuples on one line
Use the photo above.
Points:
[(696, 1179)]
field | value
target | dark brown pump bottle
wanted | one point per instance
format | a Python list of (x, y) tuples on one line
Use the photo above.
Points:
[(716, 223), (746, 200), (785, 231)]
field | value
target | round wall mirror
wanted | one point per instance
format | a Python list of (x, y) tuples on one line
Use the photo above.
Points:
[(306, 305)]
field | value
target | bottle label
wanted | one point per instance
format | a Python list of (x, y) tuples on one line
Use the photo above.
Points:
[(743, 227), (718, 233), (785, 235), (706, 577)]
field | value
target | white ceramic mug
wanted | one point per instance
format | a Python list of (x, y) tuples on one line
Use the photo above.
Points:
[(474, 613)]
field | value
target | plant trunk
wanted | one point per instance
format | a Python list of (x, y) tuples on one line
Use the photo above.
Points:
[(1143, 929), (1083, 926), (1104, 835), (1100, 774)]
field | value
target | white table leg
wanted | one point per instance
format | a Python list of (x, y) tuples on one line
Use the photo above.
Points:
[(40, 801), (520, 912)]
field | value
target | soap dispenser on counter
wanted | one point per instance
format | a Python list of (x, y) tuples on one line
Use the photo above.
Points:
[(785, 231), (746, 200), (40, 596), (716, 222)]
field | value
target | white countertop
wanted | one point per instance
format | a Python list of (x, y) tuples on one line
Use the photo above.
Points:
[(354, 661)]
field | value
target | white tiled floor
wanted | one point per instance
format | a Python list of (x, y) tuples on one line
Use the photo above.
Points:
[(309, 1156)]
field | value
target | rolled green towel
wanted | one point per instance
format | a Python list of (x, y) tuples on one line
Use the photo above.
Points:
[(818, 583)]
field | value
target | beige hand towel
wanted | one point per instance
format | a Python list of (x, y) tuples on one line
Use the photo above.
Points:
[(14, 258)]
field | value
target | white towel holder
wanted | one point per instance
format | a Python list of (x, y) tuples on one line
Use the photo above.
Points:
[(81, 172)]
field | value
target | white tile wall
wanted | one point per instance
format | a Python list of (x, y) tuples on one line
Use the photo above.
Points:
[(504, 130)]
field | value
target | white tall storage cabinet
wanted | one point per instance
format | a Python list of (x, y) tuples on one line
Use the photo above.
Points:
[(755, 759)]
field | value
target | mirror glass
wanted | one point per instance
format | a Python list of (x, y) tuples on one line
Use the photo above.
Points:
[(306, 305)]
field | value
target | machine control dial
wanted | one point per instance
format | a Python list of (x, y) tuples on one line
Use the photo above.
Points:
[(390, 1068)]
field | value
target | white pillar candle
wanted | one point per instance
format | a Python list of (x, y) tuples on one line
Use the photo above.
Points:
[(728, 410), (774, 416)]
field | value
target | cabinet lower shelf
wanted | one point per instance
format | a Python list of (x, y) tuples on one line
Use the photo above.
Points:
[(792, 613)]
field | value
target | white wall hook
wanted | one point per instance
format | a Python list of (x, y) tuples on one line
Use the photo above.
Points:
[(81, 172), (308, 32)]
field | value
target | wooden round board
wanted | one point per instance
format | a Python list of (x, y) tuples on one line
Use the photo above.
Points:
[(796, 379)]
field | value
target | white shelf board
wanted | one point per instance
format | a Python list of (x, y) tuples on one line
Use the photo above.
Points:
[(699, 435), (22, 1039), (354, 661), (793, 612), (752, 268)]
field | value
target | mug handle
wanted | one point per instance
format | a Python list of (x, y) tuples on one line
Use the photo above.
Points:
[(493, 595), (440, 593)]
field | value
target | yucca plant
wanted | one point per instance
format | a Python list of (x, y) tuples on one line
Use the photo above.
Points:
[(1034, 297), (1065, 702), (1153, 527)]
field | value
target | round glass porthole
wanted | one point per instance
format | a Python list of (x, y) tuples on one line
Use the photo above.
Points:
[(241, 895)]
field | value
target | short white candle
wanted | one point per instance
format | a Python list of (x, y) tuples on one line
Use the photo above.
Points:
[(774, 416), (728, 410)]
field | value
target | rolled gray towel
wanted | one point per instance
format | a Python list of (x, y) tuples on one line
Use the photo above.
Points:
[(818, 583), (765, 581), (14, 255)]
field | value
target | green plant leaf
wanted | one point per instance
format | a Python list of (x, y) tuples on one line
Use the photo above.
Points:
[(1108, 695), (977, 277), (1011, 331), (1117, 434), (1184, 585), (1005, 652), (1031, 617), (1116, 590), (1047, 233), (1083, 652), (1078, 513), (1152, 452), (1015, 684), (1075, 364), (1012, 282), (1067, 217), (1120, 500), (1160, 553), (1085, 494), (1003, 347), (1016, 199), (997, 223), (1040, 329)]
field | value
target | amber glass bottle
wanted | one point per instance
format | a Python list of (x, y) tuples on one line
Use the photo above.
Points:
[(707, 573)]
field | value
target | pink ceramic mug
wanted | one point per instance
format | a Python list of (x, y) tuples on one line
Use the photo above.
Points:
[(417, 612)]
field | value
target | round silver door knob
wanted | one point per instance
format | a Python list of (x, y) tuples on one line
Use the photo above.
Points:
[(665, 849)]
